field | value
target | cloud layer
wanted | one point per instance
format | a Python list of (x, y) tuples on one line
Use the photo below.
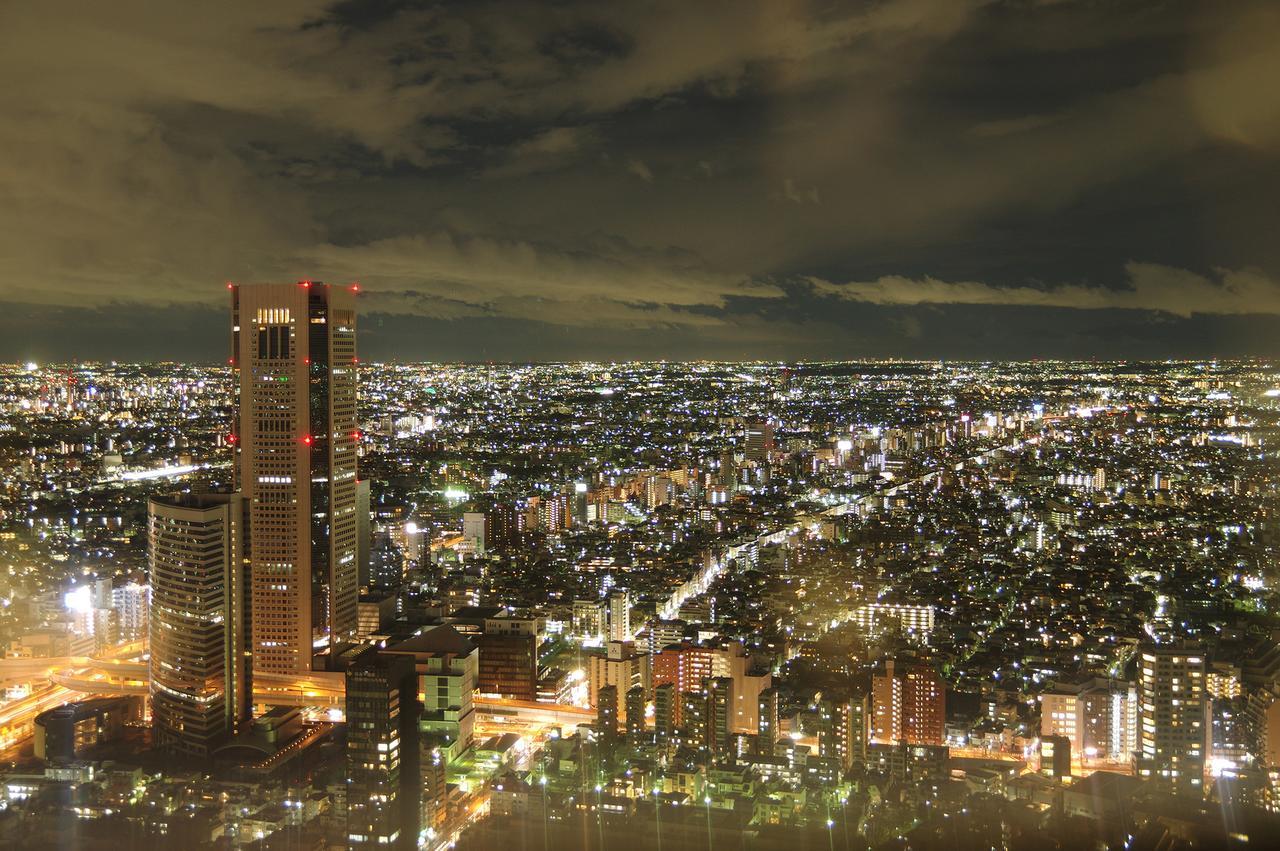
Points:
[(771, 176)]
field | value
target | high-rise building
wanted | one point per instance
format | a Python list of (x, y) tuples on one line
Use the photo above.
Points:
[(767, 724), (685, 666), (695, 722), (664, 632), (607, 714), (508, 665), (621, 665), (635, 714), (842, 730), (909, 704), (296, 434), (448, 667), (475, 531), (199, 687), (664, 711), (1098, 717), (758, 442), (1173, 711), (590, 618), (720, 707), (620, 615), (386, 563), (131, 602), (382, 751)]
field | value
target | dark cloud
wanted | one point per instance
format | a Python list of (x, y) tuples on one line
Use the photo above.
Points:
[(565, 179)]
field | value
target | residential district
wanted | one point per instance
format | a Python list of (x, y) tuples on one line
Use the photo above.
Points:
[(297, 600)]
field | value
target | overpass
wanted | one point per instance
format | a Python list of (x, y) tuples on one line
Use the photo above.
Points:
[(80, 675)]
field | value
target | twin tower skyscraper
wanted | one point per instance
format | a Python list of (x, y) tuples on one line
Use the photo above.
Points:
[(263, 582)]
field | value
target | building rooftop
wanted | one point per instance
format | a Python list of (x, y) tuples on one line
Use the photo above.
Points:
[(438, 639)]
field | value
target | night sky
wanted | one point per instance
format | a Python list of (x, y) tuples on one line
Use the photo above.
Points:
[(609, 180)]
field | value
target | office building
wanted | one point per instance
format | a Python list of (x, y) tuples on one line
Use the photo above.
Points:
[(508, 665), (132, 605), (758, 442), (198, 668), (382, 752), (64, 733), (295, 443)]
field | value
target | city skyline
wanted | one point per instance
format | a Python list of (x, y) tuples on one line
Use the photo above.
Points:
[(929, 178), (774, 425)]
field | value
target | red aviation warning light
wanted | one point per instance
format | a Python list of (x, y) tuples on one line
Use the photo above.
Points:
[(355, 288), (305, 284), (231, 438), (230, 285), (306, 438)]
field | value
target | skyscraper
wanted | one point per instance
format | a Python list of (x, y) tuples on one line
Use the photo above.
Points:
[(295, 438), (199, 688)]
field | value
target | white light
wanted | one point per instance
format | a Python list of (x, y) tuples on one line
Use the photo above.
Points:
[(77, 600)]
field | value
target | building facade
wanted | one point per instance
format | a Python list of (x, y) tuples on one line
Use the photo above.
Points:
[(200, 687), (295, 442)]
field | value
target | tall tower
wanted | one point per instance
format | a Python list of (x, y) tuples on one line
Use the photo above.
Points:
[(295, 351), (199, 688)]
